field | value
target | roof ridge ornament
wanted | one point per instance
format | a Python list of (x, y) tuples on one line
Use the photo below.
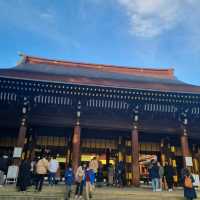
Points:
[(22, 58)]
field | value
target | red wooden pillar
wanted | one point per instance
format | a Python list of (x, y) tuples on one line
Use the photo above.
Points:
[(76, 147), (34, 144), (185, 145), (135, 157), (21, 138), (22, 133)]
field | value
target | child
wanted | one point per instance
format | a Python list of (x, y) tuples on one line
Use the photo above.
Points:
[(69, 180)]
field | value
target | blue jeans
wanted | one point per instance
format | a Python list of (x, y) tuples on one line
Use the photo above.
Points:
[(52, 178), (155, 184)]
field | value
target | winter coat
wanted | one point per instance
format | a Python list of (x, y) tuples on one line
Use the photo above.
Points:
[(24, 175), (69, 176), (169, 173), (80, 173), (154, 172), (42, 166), (91, 174)]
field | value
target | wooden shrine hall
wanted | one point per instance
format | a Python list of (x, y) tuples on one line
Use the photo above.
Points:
[(79, 109)]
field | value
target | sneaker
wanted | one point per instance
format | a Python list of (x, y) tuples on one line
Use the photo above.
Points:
[(170, 190), (80, 197)]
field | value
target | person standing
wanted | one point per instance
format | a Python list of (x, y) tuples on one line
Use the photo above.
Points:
[(154, 175), (119, 173), (110, 175), (79, 178), (41, 170), (24, 176), (189, 190), (53, 168), (94, 165), (89, 176), (69, 180), (161, 175), (3, 169), (169, 175)]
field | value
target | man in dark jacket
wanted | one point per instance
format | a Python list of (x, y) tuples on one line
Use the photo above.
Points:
[(154, 175)]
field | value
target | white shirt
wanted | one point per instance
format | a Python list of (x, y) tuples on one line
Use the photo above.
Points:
[(53, 165)]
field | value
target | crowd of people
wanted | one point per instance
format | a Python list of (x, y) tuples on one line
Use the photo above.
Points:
[(160, 176), (33, 173), (89, 174)]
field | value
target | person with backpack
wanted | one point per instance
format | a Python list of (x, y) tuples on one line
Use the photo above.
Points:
[(69, 180), (189, 190), (79, 179)]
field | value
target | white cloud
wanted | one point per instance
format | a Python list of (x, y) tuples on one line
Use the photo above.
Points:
[(150, 18)]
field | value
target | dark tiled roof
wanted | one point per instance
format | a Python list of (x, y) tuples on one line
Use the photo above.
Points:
[(102, 75)]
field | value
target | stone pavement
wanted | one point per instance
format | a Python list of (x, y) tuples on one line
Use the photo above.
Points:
[(104, 193)]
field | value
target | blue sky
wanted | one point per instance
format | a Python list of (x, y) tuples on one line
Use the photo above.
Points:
[(146, 33)]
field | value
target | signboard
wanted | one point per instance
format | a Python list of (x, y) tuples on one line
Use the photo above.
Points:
[(17, 152), (196, 180), (188, 161)]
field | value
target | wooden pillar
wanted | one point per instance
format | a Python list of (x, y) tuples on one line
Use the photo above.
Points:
[(33, 146), (120, 150), (22, 133), (21, 138), (76, 147), (184, 146), (162, 152), (107, 157), (135, 157)]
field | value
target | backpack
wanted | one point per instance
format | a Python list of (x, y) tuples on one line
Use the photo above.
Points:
[(188, 182)]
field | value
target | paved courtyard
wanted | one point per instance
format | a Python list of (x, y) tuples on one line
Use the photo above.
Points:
[(107, 193)]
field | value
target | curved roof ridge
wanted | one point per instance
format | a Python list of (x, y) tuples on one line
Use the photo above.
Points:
[(142, 71)]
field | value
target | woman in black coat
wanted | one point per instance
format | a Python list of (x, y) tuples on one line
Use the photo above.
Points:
[(24, 175), (169, 173)]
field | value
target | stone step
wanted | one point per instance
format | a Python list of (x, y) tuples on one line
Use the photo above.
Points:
[(105, 193)]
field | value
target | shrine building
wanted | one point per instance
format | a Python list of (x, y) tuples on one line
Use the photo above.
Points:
[(79, 110)]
